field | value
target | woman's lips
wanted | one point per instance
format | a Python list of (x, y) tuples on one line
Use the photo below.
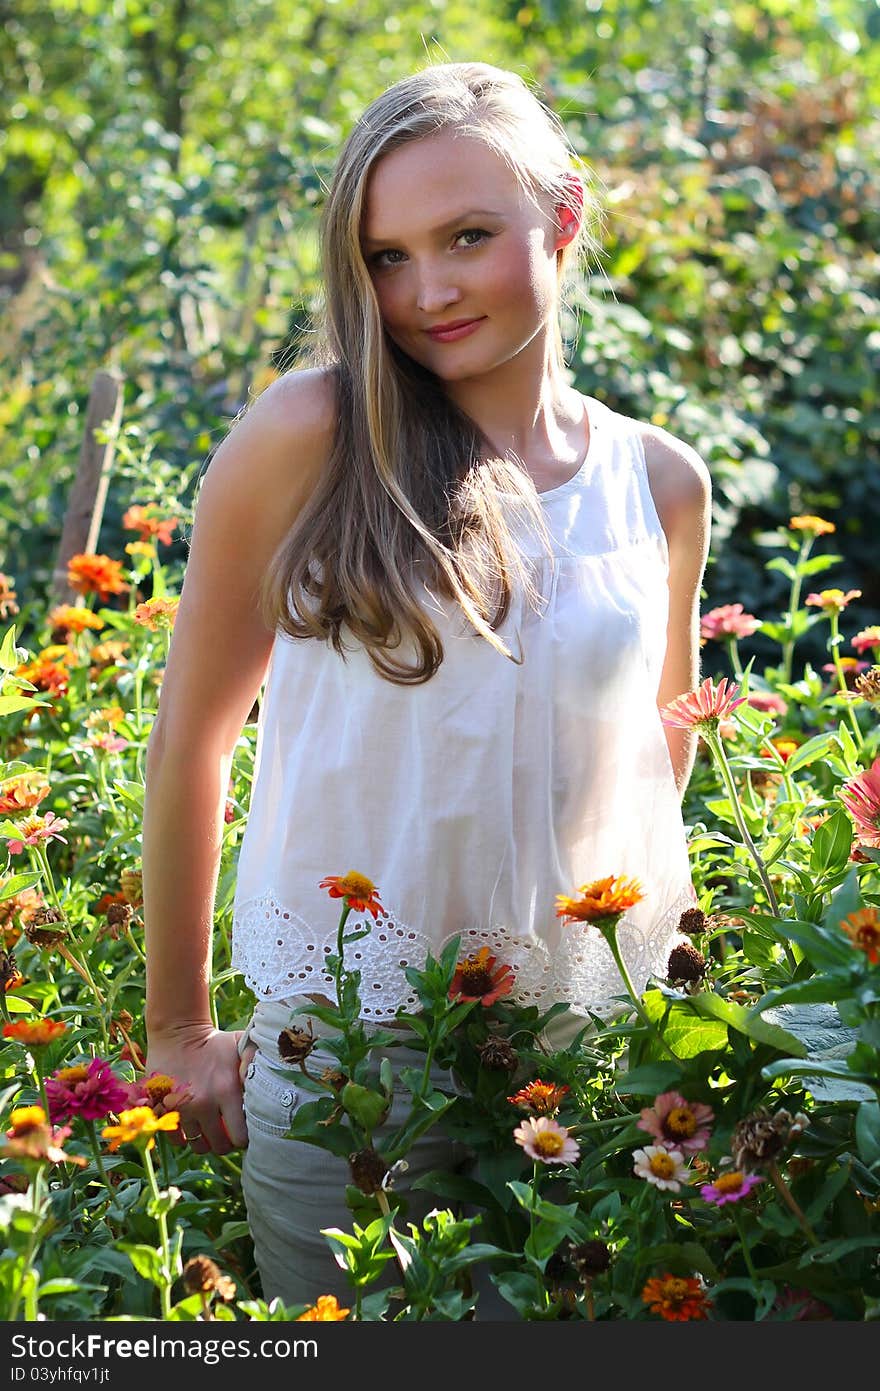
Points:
[(451, 335)]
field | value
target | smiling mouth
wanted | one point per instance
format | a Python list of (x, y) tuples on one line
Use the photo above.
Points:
[(454, 330)]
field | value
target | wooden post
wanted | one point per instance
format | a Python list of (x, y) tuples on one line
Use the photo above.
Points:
[(85, 508)]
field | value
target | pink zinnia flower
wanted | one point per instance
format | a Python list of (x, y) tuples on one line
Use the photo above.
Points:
[(832, 600), (729, 1187), (703, 707), (110, 743), (728, 620), (37, 830), (861, 797), (663, 1167), (767, 701), (90, 1090), (866, 639), (545, 1139), (678, 1124)]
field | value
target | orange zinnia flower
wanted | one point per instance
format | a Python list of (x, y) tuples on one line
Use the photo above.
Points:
[(96, 574), (817, 525), (72, 619), (146, 523), (156, 614), (479, 977), (326, 1310), (675, 1299), (542, 1098), (137, 1125), (35, 1033), (22, 793), (601, 899), (863, 930), (46, 675), (359, 892)]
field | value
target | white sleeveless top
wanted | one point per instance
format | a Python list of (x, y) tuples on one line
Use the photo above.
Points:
[(472, 800)]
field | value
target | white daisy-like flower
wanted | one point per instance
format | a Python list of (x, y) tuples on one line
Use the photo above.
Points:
[(663, 1167)]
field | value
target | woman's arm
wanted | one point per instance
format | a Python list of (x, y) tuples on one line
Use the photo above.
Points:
[(681, 486), (258, 480)]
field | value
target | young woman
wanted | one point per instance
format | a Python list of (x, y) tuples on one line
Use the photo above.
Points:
[(467, 588)]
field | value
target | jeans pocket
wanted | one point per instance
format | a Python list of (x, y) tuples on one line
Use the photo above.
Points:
[(269, 1098)]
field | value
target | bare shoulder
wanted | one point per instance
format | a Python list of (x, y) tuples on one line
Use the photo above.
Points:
[(282, 437), (680, 481)]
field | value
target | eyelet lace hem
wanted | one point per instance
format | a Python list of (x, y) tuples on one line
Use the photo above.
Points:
[(280, 955)]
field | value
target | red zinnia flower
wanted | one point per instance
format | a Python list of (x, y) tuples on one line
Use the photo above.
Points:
[(541, 1098), (359, 892), (479, 977), (35, 1033), (861, 797), (91, 1090)]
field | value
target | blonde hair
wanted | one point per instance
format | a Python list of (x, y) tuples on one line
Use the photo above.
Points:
[(406, 491)]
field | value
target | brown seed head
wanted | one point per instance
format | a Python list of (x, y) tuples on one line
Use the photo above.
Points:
[(46, 927), (8, 968), (590, 1258), (202, 1276), (368, 1169), (295, 1045), (693, 922), (498, 1055), (760, 1138), (686, 965)]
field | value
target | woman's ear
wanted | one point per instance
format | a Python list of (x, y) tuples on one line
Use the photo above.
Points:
[(570, 211)]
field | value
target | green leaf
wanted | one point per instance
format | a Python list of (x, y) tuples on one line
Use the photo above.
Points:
[(647, 1081), (684, 1033), (753, 1026), (794, 1067), (868, 1132), (146, 1261), (809, 752), (832, 842)]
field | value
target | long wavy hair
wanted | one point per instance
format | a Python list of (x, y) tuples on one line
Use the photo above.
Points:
[(412, 494)]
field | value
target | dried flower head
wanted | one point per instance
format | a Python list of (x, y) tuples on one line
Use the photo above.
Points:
[(693, 922), (498, 1054), (46, 928), (131, 882), (9, 973), (590, 1258), (686, 966), (867, 686), (368, 1170), (760, 1138), (295, 1045), (201, 1275)]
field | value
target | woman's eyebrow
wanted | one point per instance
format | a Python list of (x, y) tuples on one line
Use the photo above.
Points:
[(444, 227)]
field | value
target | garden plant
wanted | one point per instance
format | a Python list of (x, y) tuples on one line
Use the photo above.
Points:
[(707, 1148)]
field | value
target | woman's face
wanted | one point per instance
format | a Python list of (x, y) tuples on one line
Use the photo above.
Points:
[(448, 235)]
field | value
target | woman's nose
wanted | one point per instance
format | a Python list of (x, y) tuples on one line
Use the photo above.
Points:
[(436, 294)]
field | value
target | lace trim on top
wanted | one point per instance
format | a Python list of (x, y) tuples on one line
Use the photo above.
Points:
[(280, 957)]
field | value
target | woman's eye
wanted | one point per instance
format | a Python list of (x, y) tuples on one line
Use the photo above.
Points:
[(379, 258), (475, 232)]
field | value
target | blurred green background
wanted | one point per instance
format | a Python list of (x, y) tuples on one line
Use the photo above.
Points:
[(161, 174)]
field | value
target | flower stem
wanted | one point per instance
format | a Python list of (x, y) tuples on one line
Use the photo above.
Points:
[(834, 644), (744, 1246), (712, 739), (793, 601), (733, 654), (96, 1151), (787, 1197), (162, 1220)]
